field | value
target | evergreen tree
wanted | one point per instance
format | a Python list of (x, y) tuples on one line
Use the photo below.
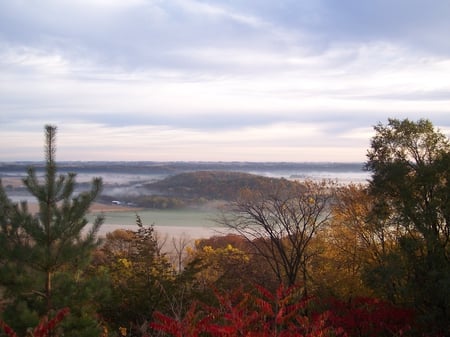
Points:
[(36, 248)]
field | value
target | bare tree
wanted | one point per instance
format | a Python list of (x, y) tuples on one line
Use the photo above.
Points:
[(179, 245), (281, 224)]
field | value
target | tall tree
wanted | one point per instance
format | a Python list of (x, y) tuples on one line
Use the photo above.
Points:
[(410, 181), (281, 224), (55, 239), (350, 242)]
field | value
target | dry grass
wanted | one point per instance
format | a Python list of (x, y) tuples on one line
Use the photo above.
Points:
[(12, 181)]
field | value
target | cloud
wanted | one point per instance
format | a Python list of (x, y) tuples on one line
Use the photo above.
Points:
[(234, 75), (101, 142)]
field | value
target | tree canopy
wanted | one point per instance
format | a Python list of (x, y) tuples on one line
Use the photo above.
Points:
[(410, 182)]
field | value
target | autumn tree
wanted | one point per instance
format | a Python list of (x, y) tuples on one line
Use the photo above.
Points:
[(281, 224), (353, 243), (139, 273), (39, 247), (219, 267), (410, 166)]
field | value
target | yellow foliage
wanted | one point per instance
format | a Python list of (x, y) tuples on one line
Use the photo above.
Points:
[(208, 250), (217, 262), (123, 331), (125, 263), (350, 243)]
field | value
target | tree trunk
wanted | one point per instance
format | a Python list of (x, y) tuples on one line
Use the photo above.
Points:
[(48, 291)]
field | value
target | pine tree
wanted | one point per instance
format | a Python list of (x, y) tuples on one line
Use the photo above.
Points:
[(36, 247)]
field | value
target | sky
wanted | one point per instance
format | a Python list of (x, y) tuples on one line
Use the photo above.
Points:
[(230, 80)]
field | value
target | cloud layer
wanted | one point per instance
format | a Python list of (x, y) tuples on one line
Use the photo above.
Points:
[(218, 80)]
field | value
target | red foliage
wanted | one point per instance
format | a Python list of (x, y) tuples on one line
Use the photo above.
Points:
[(7, 329), (244, 314), (43, 329), (191, 325), (369, 317), (284, 314)]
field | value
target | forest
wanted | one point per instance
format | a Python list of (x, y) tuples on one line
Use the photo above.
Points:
[(303, 258), (193, 189)]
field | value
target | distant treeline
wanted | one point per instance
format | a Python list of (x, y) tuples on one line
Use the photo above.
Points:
[(171, 168)]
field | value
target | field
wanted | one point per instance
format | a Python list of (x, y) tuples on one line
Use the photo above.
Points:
[(193, 223)]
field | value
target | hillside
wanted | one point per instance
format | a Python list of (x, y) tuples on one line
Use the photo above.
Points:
[(211, 185), (193, 189)]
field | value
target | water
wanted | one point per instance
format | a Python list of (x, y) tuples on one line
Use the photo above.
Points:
[(120, 173)]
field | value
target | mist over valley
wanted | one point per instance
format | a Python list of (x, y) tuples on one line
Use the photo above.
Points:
[(180, 195)]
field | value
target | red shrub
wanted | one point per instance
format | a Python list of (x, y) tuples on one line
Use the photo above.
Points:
[(43, 329), (243, 314), (369, 317), (285, 314)]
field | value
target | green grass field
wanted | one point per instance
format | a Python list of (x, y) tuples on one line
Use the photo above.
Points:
[(179, 217)]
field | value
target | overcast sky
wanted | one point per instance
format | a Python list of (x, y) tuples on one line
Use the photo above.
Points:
[(244, 80)]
